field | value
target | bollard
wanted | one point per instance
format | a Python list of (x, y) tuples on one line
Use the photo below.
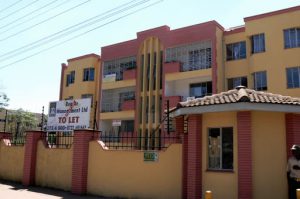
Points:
[(208, 195), (298, 193)]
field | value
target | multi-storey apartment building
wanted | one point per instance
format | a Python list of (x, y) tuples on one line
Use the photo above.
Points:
[(80, 78), (138, 76)]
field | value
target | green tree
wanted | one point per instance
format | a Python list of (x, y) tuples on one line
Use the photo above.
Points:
[(3, 100), (20, 121)]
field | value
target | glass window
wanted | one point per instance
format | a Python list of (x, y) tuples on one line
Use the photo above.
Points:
[(201, 89), (70, 78), (220, 148), (292, 38), (237, 81), (258, 43), (236, 51), (260, 81), (88, 74), (293, 77)]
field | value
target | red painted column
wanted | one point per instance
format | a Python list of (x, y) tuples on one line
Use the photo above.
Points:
[(80, 159), (292, 125), (192, 159), (244, 135), (184, 164), (32, 138)]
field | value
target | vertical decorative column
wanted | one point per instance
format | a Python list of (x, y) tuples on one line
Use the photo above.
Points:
[(292, 125), (244, 135), (80, 159), (192, 159), (32, 138)]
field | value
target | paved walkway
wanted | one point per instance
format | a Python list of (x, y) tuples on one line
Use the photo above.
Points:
[(10, 190)]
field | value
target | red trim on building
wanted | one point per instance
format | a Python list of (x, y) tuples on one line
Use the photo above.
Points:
[(214, 63), (199, 32), (62, 74), (269, 14), (32, 138), (128, 105), (244, 134), (84, 56), (193, 164), (173, 100), (292, 125), (172, 67), (80, 159), (129, 74), (120, 50), (235, 31)]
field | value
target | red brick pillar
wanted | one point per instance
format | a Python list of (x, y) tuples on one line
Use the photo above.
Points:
[(244, 135), (184, 165), (80, 159), (192, 159), (32, 138), (292, 125)]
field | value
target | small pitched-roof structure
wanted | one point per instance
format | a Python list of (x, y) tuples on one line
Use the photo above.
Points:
[(238, 99)]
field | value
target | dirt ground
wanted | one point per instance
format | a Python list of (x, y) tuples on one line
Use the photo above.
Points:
[(11, 190)]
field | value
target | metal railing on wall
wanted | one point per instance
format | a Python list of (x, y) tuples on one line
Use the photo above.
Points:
[(136, 141), (58, 139)]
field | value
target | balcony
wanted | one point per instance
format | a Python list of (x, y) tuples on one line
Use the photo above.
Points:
[(129, 74), (172, 67), (128, 105), (173, 100)]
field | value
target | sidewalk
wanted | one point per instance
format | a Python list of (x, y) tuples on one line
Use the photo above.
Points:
[(11, 190)]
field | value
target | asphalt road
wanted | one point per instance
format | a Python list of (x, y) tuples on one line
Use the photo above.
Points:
[(11, 190)]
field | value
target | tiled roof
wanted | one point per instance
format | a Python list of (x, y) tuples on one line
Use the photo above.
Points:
[(241, 94)]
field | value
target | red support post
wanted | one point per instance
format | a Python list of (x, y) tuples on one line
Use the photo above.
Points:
[(80, 159), (192, 158), (244, 135), (292, 124), (32, 138)]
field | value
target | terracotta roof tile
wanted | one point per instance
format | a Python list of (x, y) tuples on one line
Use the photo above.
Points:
[(241, 94)]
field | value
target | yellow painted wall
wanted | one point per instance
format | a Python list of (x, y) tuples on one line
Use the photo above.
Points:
[(269, 155), (188, 74), (222, 184), (117, 115), (11, 162), (275, 60), (237, 68), (125, 174), (118, 84), (79, 86), (53, 167)]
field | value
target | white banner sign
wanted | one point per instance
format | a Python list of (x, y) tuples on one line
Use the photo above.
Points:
[(69, 115)]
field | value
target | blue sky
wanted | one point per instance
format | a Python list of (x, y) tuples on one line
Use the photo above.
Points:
[(34, 82)]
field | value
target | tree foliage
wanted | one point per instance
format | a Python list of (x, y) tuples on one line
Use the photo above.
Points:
[(3, 100), (20, 121)]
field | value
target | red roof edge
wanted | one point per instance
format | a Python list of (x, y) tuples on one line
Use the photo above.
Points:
[(277, 12)]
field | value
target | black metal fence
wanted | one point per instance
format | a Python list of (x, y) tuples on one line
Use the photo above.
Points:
[(15, 139), (137, 141), (58, 139)]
